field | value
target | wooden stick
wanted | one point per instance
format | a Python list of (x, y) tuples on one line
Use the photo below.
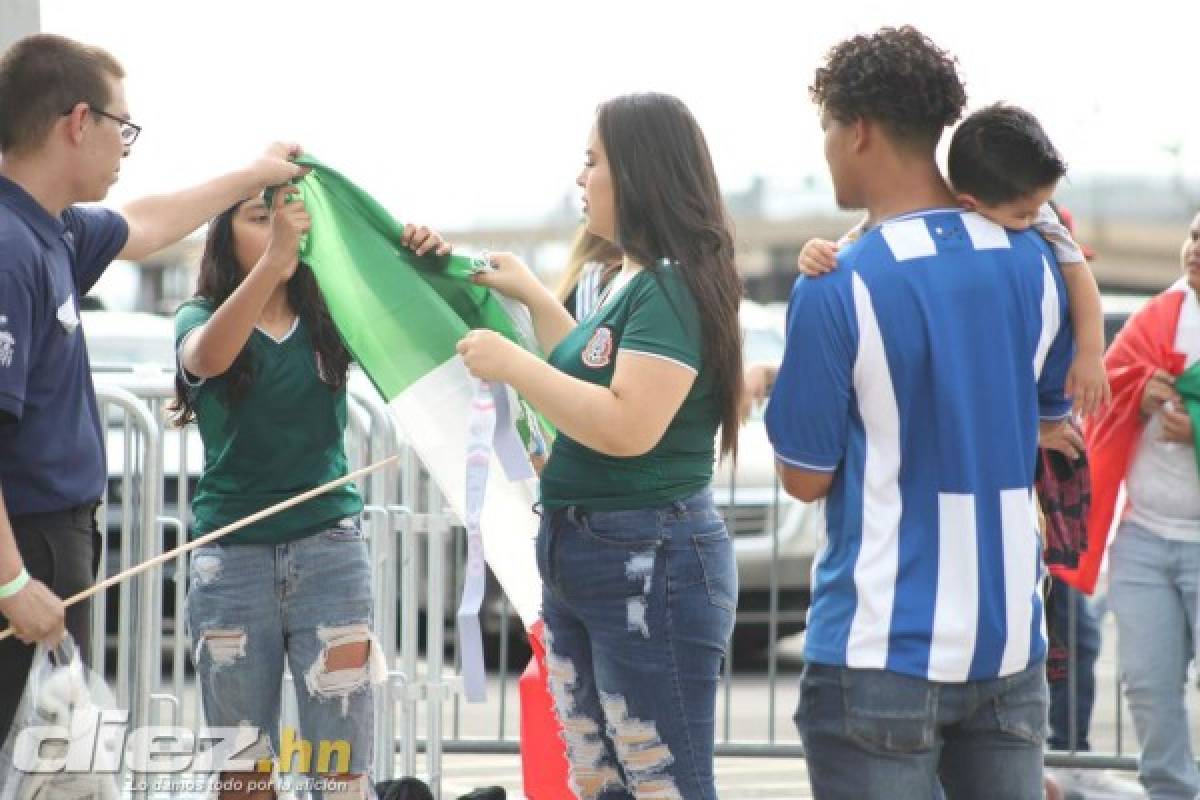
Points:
[(217, 534)]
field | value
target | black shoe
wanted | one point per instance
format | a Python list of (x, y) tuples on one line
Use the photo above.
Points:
[(403, 789), (485, 793)]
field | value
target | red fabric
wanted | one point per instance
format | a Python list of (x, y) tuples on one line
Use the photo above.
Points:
[(543, 754), (1064, 489), (1144, 345)]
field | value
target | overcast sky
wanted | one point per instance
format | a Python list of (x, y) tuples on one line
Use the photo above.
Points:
[(455, 113)]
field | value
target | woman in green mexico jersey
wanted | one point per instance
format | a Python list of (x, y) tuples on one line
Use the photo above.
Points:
[(638, 568), (262, 371)]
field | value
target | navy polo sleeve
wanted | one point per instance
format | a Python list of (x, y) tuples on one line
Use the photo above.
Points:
[(16, 329), (98, 236)]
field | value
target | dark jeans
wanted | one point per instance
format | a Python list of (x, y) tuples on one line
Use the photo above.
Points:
[(872, 734), (1087, 649), (62, 550), (639, 607)]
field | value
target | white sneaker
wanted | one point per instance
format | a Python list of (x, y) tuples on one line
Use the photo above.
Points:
[(1095, 784)]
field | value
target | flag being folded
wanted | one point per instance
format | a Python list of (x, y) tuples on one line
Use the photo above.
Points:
[(401, 316)]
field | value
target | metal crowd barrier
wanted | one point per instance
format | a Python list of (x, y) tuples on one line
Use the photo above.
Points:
[(417, 550), (150, 460)]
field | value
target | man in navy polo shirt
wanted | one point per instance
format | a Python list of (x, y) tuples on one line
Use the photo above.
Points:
[(909, 395), (64, 128)]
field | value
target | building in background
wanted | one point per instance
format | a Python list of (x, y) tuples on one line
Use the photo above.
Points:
[(1134, 225)]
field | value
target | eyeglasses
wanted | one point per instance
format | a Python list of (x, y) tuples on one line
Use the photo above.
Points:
[(129, 131)]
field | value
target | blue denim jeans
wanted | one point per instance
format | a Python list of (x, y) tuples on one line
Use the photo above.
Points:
[(250, 607), (1087, 649), (639, 607), (1153, 595), (872, 734)]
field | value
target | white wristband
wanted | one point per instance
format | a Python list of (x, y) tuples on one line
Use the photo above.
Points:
[(15, 585)]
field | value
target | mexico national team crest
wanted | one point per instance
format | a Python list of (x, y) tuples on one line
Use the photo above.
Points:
[(598, 352)]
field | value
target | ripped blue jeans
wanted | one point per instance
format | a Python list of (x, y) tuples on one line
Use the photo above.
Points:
[(250, 607), (639, 607)]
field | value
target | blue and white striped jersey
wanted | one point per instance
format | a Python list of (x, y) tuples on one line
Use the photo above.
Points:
[(917, 372)]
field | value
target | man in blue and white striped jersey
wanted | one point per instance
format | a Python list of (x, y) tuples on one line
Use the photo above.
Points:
[(910, 396)]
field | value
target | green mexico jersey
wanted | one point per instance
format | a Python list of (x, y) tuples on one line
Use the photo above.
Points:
[(653, 315), (281, 438)]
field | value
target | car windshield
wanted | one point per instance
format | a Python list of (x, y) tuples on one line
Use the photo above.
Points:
[(762, 346), (130, 351)]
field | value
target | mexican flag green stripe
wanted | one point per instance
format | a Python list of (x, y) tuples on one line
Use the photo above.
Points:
[(401, 316)]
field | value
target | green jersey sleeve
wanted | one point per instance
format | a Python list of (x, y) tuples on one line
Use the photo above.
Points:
[(191, 315), (663, 320)]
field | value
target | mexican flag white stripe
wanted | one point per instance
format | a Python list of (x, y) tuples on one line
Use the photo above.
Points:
[(432, 414)]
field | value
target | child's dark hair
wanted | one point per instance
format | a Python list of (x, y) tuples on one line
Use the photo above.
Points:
[(219, 277), (897, 77), (1000, 153)]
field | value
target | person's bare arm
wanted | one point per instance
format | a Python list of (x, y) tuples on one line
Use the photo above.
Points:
[(804, 484), (626, 419), (163, 219), (211, 349), (35, 613), (1087, 382)]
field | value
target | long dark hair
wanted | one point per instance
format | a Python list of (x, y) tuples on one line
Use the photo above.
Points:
[(668, 205), (219, 277)]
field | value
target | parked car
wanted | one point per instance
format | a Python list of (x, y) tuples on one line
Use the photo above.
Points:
[(122, 342), (772, 532), (1117, 309), (129, 340)]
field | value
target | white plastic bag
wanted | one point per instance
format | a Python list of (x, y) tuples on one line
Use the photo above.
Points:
[(56, 750)]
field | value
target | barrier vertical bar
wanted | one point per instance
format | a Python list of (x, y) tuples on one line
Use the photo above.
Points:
[(383, 491), (731, 530), (137, 667), (408, 609), (435, 635), (773, 612), (99, 641)]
